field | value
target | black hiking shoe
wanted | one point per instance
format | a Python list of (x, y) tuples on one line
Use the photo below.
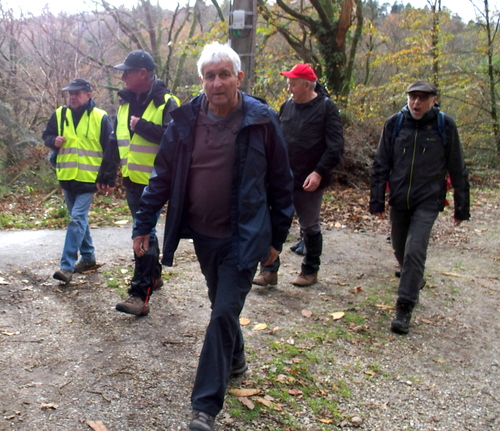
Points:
[(401, 323), (133, 305), (63, 275), (82, 266), (299, 248), (238, 369), (201, 421)]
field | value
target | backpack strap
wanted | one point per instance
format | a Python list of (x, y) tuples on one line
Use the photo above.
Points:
[(441, 128), (397, 127)]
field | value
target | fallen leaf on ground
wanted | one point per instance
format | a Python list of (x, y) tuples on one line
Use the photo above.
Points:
[(9, 334), (452, 274), (386, 307), (96, 425), (48, 406), (439, 361), (242, 392), (120, 222), (247, 402), (3, 281), (306, 313), (337, 315), (244, 321), (260, 327), (326, 421)]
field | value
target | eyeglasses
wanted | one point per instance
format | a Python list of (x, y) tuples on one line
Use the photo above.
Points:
[(423, 97), (129, 71)]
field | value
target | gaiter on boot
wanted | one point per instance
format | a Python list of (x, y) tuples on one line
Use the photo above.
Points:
[(147, 272), (314, 247)]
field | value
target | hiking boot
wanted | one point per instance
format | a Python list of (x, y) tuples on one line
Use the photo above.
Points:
[(266, 278), (133, 305), (238, 369), (305, 280), (159, 284), (401, 323), (82, 266), (201, 421), (63, 275), (299, 248)]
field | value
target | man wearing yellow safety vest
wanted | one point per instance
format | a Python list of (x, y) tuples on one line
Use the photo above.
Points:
[(142, 117), (85, 163)]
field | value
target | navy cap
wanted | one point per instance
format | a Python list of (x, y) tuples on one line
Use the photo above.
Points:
[(424, 86), (137, 60), (78, 84)]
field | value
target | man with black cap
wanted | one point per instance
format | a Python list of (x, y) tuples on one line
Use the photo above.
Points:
[(85, 162), (311, 124), (143, 116), (419, 146)]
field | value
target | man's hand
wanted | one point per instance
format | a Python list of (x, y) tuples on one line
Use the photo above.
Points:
[(59, 141), (141, 245), (312, 182), (273, 255), (104, 188), (380, 216), (133, 122)]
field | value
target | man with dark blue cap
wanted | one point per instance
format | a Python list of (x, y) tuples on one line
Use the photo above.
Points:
[(85, 163), (143, 116)]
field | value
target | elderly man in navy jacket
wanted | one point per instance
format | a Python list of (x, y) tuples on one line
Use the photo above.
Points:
[(223, 168)]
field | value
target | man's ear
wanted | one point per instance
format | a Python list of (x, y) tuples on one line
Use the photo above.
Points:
[(241, 75)]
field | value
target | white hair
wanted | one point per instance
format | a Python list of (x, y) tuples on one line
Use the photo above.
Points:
[(216, 52)]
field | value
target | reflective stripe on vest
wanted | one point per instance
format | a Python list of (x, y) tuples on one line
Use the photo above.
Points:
[(80, 156), (137, 156)]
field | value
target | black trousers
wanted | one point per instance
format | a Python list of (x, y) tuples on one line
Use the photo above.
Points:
[(223, 346)]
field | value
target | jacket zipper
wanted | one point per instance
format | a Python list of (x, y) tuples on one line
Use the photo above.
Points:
[(411, 169)]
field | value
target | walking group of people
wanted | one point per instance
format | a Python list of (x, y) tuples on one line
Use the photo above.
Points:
[(233, 172)]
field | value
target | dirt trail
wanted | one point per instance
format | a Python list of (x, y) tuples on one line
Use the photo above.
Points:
[(67, 356)]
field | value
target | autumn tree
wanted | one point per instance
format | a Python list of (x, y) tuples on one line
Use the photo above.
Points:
[(319, 31)]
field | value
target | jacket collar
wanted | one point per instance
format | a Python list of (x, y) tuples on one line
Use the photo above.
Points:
[(156, 93)]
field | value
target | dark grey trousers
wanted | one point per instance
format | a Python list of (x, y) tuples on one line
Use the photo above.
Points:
[(410, 233)]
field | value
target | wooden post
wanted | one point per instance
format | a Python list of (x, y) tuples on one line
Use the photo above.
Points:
[(242, 38)]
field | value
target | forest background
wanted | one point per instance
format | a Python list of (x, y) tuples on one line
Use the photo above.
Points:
[(364, 52)]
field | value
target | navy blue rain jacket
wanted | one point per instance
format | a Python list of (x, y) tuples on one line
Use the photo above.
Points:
[(261, 197)]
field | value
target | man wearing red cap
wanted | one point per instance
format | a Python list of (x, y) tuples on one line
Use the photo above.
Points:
[(311, 124)]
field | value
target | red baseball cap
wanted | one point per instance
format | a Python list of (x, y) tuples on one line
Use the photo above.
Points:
[(301, 71)]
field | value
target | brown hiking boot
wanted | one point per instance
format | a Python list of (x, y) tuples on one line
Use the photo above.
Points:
[(305, 280), (63, 275), (266, 278), (82, 266), (133, 305), (201, 421)]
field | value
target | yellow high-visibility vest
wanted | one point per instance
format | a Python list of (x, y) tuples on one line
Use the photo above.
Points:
[(137, 156), (80, 157)]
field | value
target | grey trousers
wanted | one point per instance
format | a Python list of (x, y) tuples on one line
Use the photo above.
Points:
[(410, 233), (307, 205)]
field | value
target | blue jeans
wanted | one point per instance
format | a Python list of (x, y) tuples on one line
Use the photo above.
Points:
[(223, 347), (78, 237), (133, 197), (410, 233)]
